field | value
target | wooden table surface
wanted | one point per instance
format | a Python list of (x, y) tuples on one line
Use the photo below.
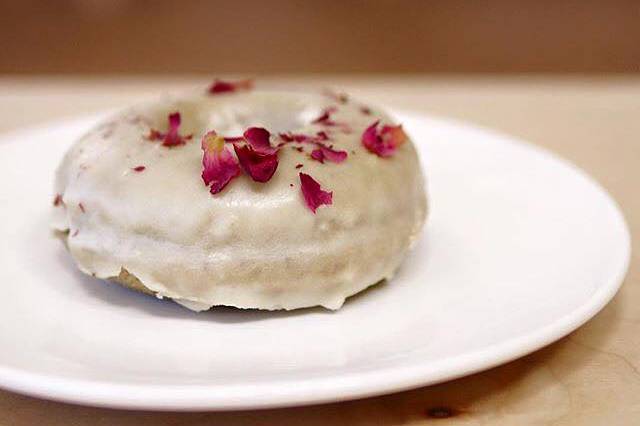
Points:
[(591, 377)]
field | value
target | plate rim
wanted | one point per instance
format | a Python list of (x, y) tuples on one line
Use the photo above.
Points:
[(353, 385)]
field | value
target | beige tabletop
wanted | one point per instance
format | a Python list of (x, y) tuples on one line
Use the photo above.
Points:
[(591, 377)]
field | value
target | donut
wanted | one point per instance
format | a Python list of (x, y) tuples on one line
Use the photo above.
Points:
[(257, 199)]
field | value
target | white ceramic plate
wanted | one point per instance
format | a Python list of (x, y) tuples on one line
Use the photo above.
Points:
[(520, 249)]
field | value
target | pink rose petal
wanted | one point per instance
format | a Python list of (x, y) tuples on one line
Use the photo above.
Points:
[(333, 155), (326, 153), (393, 135), (288, 138), (317, 155), (321, 136), (321, 152), (313, 194), (383, 143), (260, 167), (172, 137), (302, 138), (219, 165), (325, 118), (259, 140), (221, 86)]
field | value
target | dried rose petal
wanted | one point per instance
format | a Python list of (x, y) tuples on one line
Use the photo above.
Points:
[(221, 86), (155, 135), (313, 194), (317, 155), (290, 138), (219, 164), (321, 136), (257, 165), (393, 135), (325, 118), (139, 169), (302, 138), (57, 201), (258, 139), (298, 166), (81, 207), (324, 152), (365, 110), (385, 142), (172, 137)]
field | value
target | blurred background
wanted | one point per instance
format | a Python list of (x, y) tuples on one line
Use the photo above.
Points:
[(291, 36)]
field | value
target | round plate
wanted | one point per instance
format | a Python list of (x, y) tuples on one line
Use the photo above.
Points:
[(520, 249)]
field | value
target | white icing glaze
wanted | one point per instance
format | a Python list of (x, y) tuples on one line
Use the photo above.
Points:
[(253, 245)]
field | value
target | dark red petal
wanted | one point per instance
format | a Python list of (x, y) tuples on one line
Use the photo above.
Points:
[(313, 194), (325, 118), (221, 86), (57, 201), (258, 139), (155, 135), (322, 118), (260, 167), (219, 164), (294, 137), (233, 139), (322, 136), (174, 122), (322, 152), (172, 137), (286, 137), (138, 169)]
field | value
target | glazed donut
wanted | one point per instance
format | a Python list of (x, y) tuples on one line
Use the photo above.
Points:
[(240, 197)]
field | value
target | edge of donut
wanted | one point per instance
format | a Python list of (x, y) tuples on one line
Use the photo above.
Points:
[(124, 278)]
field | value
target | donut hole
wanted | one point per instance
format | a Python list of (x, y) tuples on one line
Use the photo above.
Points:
[(231, 115), (276, 113), (190, 124)]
